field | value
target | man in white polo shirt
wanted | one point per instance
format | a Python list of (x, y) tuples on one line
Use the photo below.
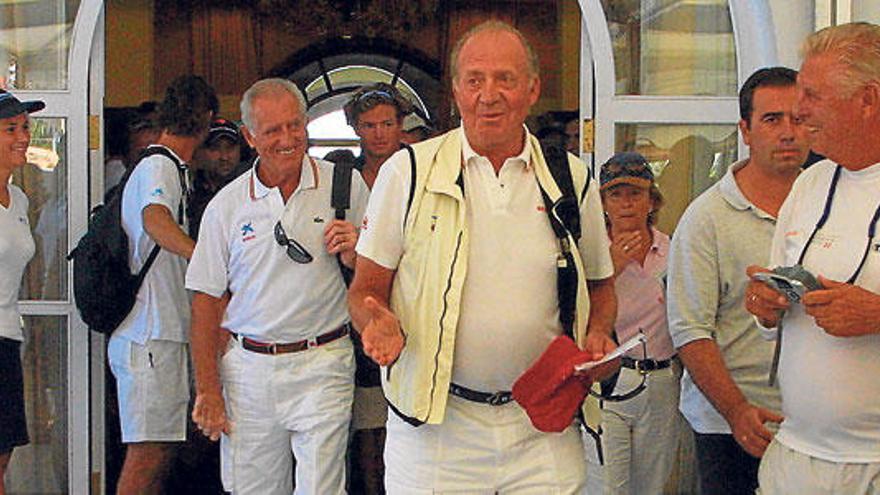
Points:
[(147, 352), (829, 363), (456, 294), (284, 383)]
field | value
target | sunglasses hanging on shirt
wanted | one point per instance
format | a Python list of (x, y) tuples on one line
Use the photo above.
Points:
[(295, 250)]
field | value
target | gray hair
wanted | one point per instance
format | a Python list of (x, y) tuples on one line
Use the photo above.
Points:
[(856, 46), (263, 87), (495, 25)]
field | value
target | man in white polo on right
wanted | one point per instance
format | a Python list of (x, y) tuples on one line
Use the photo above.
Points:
[(829, 368)]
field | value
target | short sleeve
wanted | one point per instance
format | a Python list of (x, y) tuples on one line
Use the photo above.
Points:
[(692, 290), (594, 244), (208, 269), (158, 182), (381, 238)]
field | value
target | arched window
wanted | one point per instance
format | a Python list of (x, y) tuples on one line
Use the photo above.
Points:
[(328, 93)]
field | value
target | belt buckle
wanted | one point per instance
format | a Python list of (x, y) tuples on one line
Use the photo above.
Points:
[(272, 349), (497, 399), (311, 343), (640, 366)]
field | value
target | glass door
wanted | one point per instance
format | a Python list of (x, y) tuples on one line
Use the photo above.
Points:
[(45, 47)]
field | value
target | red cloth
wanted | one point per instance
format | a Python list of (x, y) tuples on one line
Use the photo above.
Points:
[(549, 390)]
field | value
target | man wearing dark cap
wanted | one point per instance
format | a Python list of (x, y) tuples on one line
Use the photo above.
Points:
[(724, 392), (16, 249), (215, 164), (376, 114)]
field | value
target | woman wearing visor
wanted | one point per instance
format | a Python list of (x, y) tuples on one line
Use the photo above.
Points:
[(16, 249), (640, 433)]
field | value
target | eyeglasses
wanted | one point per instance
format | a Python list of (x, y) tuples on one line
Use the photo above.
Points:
[(295, 250)]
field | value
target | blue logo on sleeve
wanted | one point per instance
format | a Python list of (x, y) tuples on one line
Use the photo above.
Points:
[(157, 192)]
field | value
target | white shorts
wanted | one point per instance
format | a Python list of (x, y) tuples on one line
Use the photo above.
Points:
[(152, 382), (784, 470), (285, 405), (482, 449)]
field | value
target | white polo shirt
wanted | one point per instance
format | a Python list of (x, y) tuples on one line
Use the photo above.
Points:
[(274, 299), (161, 311), (830, 385), (509, 305), (16, 249)]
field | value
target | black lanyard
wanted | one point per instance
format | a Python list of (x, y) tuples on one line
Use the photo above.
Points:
[(872, 227)]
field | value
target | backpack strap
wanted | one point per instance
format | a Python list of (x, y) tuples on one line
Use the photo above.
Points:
[(564, 217), (158, 149), (340, 201)]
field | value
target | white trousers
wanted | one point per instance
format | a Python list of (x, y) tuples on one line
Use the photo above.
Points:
[(285, 405), (784, 470), (639, 436), (482, 449)]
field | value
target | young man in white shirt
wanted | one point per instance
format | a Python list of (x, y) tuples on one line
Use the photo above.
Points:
[(148, 351)]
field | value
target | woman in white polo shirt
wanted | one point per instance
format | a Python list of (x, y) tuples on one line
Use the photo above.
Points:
[(16, 249)]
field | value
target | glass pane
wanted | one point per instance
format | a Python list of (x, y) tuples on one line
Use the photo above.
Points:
[(672, 47), (44, 180), (686, 160), (331, 126), (41, 466), (34, 39)]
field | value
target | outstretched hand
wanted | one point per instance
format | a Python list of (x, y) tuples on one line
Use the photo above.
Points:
[(382, 336)]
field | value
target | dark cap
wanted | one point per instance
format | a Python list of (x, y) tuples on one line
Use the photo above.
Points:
[(10, 106), (626, 168), (223, 128)]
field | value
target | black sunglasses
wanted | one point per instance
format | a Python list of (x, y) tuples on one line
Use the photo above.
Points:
[(295, 250)]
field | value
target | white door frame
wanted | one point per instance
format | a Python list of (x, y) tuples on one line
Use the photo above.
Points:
[(755, 42), (72, 105)]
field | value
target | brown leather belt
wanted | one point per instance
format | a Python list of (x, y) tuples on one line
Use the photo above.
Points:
[(286, 348)]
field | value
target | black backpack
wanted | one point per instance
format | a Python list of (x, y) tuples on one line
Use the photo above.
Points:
[(104, 288)]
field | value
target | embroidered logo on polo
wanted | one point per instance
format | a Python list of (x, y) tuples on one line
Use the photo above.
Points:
[(157, 192), (318, 220), (247, 232)]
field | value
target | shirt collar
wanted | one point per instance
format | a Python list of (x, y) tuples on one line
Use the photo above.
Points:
[(734, 196), (524, 157), (308, 178)]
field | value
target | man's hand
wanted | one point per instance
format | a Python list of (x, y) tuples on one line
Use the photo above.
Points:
[(763, 301), (600, 344), (747, 426), (382, 337), (209, 414), (340, 237), (625, 248), (843, 310)]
